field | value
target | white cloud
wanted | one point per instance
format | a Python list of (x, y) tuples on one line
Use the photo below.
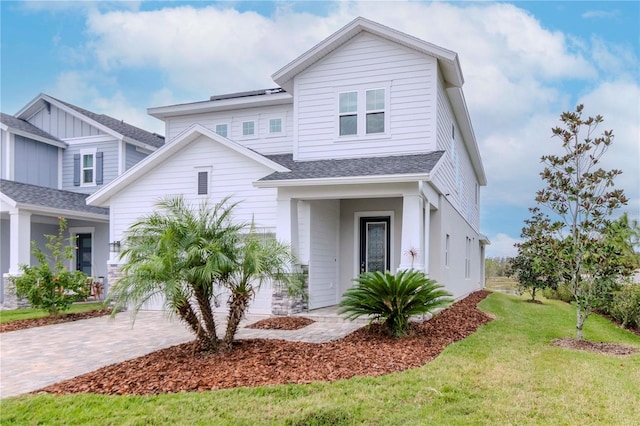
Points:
[(502, 245), (598, 14)]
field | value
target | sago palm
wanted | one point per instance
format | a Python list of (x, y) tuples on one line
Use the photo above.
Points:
[(393, 298)]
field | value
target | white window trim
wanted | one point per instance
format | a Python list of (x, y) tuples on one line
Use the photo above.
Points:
[(361, 112), (256, 128), (356, 238), (83, 152), (282, 126), (73, 233), (198, 169), (215, 128)]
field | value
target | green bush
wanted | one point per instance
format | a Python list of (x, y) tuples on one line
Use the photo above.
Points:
[(50, 285), (393, 298), (561, 292), (626, 306)]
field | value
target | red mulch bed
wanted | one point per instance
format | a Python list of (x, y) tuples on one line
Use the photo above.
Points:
[(282, 323), (257, 362), (38, 322), (598, 347)]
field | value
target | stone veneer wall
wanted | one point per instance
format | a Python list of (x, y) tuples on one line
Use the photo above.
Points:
[(114, 273), (282, 304), (10, 299)]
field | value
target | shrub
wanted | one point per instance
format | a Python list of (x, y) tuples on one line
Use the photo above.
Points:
[(626, 306), (393, 298), (49, 285), (561, 292)]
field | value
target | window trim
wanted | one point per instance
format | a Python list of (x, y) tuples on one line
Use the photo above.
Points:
[(279, 133), (367, 111), (255, 128), (196, 180), (361, 112), (86, 152)]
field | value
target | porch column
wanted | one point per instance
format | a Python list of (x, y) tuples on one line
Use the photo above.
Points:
[(412, 233), (287, 223), (427, 241), (19, 240)]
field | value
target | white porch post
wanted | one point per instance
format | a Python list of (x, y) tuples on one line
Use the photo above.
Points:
[(20, 240), (412, 232), (287, 223), (426, 241)]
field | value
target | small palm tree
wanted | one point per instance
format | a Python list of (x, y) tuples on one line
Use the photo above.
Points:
[(393, 298), (187, 256)]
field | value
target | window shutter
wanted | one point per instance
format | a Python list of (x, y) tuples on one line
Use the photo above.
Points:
[(76, 169), (99, 179), (203, 183)]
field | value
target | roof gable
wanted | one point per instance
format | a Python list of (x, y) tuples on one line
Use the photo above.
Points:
[(22, 127), (447, 59), (101, 197)]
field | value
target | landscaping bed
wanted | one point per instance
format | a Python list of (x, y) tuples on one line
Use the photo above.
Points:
[(49, 320), (368, 351)]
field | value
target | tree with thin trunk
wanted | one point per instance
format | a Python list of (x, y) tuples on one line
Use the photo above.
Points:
[(582, 196), (189, 256)]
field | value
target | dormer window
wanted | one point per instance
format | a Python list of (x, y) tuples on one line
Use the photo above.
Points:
[(348, 113)]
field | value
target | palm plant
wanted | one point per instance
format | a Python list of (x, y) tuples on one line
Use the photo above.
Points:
[(393, 298), (188, 256)]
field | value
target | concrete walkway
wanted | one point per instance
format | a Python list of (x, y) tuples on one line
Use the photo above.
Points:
[(37, 357)]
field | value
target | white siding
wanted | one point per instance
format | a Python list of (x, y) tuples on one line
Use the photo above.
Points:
[(263, 141), (323, 265), (62, 124), (109, 164), (232, 174), (367, 62), (458, 180)]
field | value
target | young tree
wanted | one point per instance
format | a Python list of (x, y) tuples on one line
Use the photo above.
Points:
[(582, 196), (50, 285), (189, 256)]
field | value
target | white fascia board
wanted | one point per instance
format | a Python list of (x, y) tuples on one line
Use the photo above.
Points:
[(447, 58), (462, 114), (4, 127), (53, 142), (70, 214), (221, 105), (102, 196), (8, 200), (349, 180)]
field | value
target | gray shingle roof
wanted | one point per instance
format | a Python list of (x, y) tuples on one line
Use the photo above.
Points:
[(120, 126), (48, 197), (353, 167), (23, 125)]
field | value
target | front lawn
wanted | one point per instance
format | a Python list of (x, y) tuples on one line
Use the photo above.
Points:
[(505, 373), (31, 313)]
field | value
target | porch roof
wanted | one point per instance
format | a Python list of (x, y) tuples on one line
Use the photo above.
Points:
[(40, 197), (353, 167)]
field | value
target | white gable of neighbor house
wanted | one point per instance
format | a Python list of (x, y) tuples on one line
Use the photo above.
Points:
[(367, 62), (230, 174)]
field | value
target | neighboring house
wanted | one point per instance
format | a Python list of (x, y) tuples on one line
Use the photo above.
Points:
[(52, 156), (364, 154)]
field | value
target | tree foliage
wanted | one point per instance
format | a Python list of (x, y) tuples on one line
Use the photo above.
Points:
[(582, 197), (191, 257), (393, 298), (50, 285)]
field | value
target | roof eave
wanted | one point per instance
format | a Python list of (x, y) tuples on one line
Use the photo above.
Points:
[(53, 142), (71, 214), (344, 180)]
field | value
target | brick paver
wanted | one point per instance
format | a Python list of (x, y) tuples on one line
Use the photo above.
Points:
[(37, 357)]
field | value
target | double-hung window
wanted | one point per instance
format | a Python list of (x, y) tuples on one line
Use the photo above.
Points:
[(375, 111), (88, 169), (348, 113)]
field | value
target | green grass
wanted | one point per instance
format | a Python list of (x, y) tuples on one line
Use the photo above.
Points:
[(29, 313), (506, 373)]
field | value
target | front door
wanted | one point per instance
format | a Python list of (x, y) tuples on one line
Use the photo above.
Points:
[(374, 243), (83, 253)]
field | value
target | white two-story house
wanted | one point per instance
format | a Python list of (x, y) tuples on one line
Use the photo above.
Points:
[(363, 158), (52, 156)]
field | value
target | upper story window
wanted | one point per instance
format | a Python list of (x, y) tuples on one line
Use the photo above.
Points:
[(88, 169), (248, 128), (222, 129), (348, 113), (375, 111), (275, 125), (203, 180)]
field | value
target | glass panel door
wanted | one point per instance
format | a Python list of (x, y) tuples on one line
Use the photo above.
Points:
[(83, 253), (374, 244)]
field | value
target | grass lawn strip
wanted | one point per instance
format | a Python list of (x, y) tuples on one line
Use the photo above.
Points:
[(20, 319)]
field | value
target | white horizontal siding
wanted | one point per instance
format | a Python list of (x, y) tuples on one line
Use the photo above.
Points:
[(263, 142), (323, 264), (109, 164), (365, 62), (62, 124), (232, 174)]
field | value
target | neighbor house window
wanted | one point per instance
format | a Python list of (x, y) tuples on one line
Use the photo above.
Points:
[(248, 128), (446, 249), (348, 113), (222, 129), (275, 125), (375, 111)]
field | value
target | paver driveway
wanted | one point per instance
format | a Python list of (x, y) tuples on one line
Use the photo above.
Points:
[(37, 357)]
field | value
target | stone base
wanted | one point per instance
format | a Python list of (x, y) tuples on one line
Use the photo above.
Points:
[(283, 304), (10, 299)]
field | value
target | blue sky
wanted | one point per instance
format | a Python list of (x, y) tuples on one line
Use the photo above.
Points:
[(524, 63)]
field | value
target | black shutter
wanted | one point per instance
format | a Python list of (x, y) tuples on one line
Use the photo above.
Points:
[(76, 169), (99, 178), (203, 183)]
